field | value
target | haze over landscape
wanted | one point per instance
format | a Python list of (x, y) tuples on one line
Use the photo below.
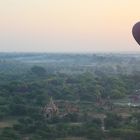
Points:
[(68, 25), (69, 70)]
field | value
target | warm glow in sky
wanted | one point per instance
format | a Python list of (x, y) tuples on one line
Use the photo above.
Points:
[(68, 25)]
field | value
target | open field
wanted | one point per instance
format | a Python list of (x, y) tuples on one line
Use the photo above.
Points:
[(73, 138), (8, 123)]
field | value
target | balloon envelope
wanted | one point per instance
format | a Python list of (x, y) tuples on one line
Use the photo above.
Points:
[(136, 32)]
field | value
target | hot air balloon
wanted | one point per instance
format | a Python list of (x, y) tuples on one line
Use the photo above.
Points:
[(136, 32)]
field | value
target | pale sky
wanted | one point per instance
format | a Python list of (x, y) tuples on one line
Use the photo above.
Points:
[(68, 25)]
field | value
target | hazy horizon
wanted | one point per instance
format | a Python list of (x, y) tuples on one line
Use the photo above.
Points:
[(68, 26)]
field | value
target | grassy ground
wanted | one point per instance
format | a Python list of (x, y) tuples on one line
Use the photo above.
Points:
[(73, 138), (7, 123)]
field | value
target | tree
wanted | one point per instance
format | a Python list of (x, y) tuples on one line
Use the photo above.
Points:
[(112, 121), (9, 134), (39, 71), (116, 94)]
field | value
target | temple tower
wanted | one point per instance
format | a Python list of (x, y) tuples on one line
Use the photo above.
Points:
[(50, 110)]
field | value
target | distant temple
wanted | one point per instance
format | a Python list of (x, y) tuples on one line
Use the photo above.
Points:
[(71, 108), (50, 110), (135, 97)]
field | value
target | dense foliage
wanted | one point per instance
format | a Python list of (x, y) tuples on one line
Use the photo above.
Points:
[(28, 81)]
